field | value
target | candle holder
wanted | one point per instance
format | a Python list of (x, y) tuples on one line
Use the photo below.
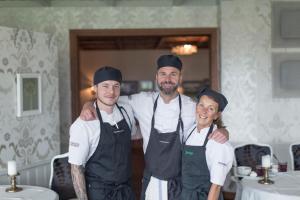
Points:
[(266, 180), (13, 184)]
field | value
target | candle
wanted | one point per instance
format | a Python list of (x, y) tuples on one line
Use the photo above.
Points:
[(11, 168), (266, 161)]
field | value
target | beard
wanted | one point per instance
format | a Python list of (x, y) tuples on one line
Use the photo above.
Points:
[(167, 90)]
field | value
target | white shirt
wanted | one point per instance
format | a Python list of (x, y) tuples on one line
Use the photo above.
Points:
[(166, 114), (166, 119), (85, 135), (219, 157)]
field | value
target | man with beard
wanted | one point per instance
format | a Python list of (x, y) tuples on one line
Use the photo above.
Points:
[(164, 117), (100, 150)]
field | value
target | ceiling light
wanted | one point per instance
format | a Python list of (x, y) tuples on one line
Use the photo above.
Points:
[(186, 49)]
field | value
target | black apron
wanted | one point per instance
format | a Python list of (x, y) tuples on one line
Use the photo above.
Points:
[(108, 171), (195, 173), (163, 157)]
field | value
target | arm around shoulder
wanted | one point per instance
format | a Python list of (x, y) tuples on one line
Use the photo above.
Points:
[(88, 111), (220, 135)]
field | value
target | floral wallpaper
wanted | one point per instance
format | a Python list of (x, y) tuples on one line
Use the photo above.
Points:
[(34, 138), (246, 68), (58, 21), (253, 114)]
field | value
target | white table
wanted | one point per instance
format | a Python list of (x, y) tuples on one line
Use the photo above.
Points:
[(286, 187), (28, 193)]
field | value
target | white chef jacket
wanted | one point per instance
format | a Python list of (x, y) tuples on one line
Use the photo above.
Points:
[(219, 157), (85, 135), (166, 119), (166, 114)]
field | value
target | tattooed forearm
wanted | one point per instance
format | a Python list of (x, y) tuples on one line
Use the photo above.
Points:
[(79, 181)]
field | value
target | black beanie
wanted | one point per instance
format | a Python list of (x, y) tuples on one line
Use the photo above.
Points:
[(169, 60), (107, 73), (218, 97)]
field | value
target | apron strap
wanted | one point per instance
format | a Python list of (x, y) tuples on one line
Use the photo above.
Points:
[(122, 108), (180, 122), (184, 141), (209, 132), (174, 188), (116, 191), (197, 193), (206, 139), (154, 109), (98, 113), (119, 192)]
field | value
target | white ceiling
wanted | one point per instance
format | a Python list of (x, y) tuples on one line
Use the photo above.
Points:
[(102, 3)]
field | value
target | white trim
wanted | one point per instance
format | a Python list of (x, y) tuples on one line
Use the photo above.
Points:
[(51, 166), (292, 155)]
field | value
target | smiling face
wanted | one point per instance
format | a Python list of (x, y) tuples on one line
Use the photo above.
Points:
[(107, 93), (206, 112), (168, 79)]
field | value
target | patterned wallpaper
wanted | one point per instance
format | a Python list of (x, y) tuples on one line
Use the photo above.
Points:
[(35, 138), (58, 21), (252, 115)]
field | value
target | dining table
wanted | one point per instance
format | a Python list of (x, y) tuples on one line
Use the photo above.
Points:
[(286, 187), (28, 192)]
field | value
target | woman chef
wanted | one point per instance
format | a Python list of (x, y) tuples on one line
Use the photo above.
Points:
[(205, 163)]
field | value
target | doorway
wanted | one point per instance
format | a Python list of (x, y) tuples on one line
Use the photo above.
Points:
[(119, 40)]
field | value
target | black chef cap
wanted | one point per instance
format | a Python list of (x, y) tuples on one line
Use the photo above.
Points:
[(169, 60), (107, 73), (218, 97)]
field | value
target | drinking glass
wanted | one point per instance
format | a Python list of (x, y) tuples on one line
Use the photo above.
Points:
[(282, 166)]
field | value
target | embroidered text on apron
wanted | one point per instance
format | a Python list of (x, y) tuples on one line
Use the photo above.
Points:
[(163, 157), (108, 171)]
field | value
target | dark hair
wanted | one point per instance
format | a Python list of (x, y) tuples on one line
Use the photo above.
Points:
[(219, 123)]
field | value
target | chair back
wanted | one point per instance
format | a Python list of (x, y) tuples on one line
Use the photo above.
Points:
[(250, 154), (60, 178), (295, 156)]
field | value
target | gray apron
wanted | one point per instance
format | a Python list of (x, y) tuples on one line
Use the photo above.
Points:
[(163, 157), (195, 173), (108, 171)]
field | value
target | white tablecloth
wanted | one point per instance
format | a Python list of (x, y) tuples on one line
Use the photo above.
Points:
[(28, 193), (286, 187)]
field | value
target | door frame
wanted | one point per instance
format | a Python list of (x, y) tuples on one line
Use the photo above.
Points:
[(75, 36)]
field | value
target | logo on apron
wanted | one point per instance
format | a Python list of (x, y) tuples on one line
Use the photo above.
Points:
[(189, 153)]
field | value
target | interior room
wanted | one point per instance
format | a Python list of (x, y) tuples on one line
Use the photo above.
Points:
[(247, 50)]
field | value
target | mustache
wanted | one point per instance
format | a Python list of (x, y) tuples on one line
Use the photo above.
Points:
[(168, 82)]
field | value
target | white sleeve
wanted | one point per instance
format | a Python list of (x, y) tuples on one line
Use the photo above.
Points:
[(136, 101), (123, 100), (78, 144), (219, 161)]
